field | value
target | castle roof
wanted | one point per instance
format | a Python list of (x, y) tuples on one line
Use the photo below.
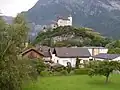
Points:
[(63, 18)]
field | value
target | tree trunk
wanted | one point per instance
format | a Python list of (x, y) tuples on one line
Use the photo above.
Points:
[(107, 78)]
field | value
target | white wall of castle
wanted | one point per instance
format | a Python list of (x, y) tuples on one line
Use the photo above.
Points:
[(62, 22)]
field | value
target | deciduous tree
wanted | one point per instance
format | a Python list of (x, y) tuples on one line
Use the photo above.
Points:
[(13, 69), (104, 68)]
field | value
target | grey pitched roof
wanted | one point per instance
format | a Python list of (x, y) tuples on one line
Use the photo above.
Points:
[(63, 18), (107, 56), (45, 50), (72, 52), (47, 54)]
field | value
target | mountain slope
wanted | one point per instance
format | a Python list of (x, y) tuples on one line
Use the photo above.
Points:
[(8, 19), (101, 15)]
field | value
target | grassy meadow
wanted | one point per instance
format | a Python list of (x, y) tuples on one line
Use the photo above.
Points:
[(80, 82)]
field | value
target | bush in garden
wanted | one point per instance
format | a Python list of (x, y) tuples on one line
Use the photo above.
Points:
[(77, 62), (44, 73), (57, 68), (64, 72), (39, 65), (81, 71), (69, 67)]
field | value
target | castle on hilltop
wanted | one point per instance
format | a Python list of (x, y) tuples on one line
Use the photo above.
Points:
[(65, 22), (62, 22)]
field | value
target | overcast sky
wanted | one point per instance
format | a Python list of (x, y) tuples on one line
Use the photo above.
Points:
[(12, 7)]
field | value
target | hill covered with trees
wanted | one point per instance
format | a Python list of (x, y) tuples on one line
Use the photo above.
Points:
[(71, 36)]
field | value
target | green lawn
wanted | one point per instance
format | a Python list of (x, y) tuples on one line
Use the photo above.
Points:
[(75, 83)]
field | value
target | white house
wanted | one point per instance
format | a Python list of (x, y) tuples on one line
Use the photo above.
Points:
[(65, 22), (105, 56), (96, 50), (65, 55)]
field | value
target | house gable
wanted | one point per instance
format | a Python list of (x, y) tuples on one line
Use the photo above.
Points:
[(32, 53)]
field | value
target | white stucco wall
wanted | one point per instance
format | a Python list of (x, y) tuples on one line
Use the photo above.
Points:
[(98, 59), (103, 50), (116, 59), (71, 20), (63, 61), (84, 59), (100, 50), (47, 58), (62, 22)]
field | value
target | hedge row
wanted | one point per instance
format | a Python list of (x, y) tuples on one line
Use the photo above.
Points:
[(50, 73), (81, 71)]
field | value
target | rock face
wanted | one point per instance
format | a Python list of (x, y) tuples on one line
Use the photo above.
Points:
[(101, 15)]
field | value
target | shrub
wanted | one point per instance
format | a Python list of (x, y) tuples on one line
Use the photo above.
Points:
[(81, 71), (57, 68), (72, 73), (64, 72), (39, 65), (69, 67), (56, 74), (77, 62), (44, 73)]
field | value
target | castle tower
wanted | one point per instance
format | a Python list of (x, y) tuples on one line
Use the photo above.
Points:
[(71, 20)]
